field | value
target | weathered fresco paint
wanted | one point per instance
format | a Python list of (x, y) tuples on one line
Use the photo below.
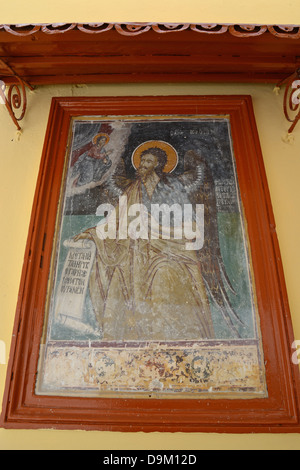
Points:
[(142, 310)]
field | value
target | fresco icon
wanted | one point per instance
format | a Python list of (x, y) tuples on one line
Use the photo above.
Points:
[(152, 264)]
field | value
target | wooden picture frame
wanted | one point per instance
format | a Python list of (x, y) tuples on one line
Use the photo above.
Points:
[(272, 408)]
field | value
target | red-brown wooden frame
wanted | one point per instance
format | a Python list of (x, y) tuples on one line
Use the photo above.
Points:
[(279, 412)]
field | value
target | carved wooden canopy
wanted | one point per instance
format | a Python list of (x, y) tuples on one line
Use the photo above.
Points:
[(47, 54), (147, 52)]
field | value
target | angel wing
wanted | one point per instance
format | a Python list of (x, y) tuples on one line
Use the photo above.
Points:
[(199, 183), (114, 187)]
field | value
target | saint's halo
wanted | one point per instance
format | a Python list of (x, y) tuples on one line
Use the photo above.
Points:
[(172, 156), (98, 136)]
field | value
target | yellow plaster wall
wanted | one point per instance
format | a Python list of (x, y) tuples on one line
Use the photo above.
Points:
[(19, 164), (169, 11)]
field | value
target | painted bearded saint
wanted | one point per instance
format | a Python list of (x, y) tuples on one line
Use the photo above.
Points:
[(151, 287)]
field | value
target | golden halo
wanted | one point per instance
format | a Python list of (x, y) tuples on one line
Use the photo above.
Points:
[(172, 156), (102, 134)]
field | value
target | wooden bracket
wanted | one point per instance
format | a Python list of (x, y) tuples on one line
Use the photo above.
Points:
[(291, 100), (14, 96)]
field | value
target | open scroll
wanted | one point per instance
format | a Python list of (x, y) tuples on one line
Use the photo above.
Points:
[(73, 284)]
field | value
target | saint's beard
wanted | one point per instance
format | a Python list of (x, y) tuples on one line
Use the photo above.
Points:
[(144, 173)]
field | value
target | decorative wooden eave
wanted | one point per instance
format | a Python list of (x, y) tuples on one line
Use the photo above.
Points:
[(43, 54), (78, 53)]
